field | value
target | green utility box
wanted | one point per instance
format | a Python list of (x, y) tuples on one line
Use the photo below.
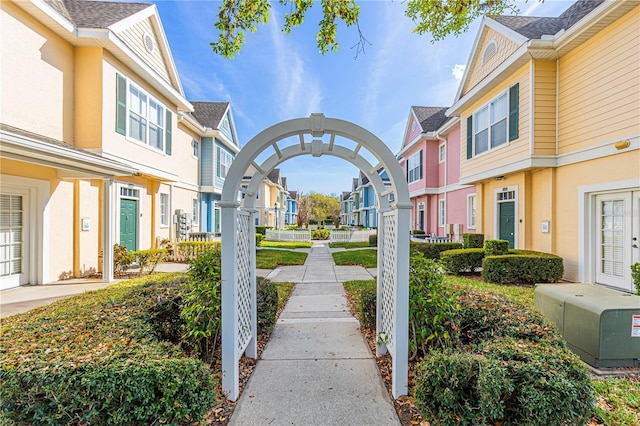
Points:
[(601, 325)]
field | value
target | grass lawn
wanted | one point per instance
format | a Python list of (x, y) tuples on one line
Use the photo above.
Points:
[(359, 244), (367, 258), (284, 290), (270, 259), (285, 244), (618, 399)]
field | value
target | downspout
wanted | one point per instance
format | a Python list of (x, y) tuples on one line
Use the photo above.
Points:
[(446, 170)]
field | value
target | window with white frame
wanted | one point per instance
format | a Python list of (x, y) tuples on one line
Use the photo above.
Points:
[(164, 209), (146, 118), (442, 152), (471, 211), (194, 211), (442, 213), (414, 167), (223, 162), (195, 146)]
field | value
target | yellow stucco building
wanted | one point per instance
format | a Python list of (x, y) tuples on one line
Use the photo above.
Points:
[(98, 144), (550, 109)]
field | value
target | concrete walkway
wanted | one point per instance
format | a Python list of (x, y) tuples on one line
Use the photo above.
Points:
[(317, 368)]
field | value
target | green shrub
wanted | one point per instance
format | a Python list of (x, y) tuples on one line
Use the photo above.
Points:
[(191, 249), (320, 234), (433, 250), (259, 239), (529, 268), (95, 359), (496, 247), (266, 304), (462, 260), (635, 274), (431, 309), (417, 232), (122, 259), (505, 382), (263, 229), (485, 316), (373, 240), (367, 307), (473, 240), (149, 259), (201, 309)]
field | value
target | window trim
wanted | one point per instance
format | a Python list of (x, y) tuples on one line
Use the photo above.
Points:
[(411, 171), (471, 224), (442, 212), (222, 153), (195, 148), (163, 114), (168, 210), (195, 211), (442, 152), (474, 122)]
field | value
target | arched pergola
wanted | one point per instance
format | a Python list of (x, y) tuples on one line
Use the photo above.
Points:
[(238, 238)]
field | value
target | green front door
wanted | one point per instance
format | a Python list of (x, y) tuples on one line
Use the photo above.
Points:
[(128, 223), (507, 221)]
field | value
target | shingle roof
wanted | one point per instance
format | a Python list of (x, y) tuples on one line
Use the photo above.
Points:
[(284, 183), (209, 114), (96, 14), (293, 195), (274, 176), (533, 27), (430, 118)]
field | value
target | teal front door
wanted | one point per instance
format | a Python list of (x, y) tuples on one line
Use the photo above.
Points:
[(129, 224), (507, 221)]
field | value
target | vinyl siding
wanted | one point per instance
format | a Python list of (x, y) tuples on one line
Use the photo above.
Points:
[(545, 108), (478, 70), (512, 151), (207, 162), (413, 130), (133, 37), (599, 90)]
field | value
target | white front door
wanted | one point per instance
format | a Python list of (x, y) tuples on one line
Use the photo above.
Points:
[(618, 223), (13, 239)]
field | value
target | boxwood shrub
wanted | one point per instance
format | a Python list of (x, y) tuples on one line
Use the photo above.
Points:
[(496, 247), (320, 234), (266, 304), (532, 267), (462, 260), (473, 240), (373, 240), (433, 250), (367, 308), (96, 358)]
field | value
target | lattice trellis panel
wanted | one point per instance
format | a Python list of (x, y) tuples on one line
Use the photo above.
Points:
[(389, 268), (243, 300)]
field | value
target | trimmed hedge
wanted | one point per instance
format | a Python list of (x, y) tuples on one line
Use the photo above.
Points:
[(373, 240), (96, 359), (320, 234), (473, 240), (263, 229), (417, 232), (266, 304), (534, 267), (462, 260), (149, 259), (367, 307), (433, 250), (259, 239), (496, 247), (192, 249)]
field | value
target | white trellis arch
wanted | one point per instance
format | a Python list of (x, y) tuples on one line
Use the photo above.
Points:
[(238, 238)]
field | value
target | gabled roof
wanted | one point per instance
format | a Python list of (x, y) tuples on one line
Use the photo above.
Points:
[(284, 183), (293, 195), (533, 27), (346, 195), (274, 176), (209, 114), (96, 14), (430, 118), (354, 184)]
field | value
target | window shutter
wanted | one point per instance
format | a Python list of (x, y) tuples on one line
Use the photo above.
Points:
[(420, 177), (218, 161), (121, 104), (514, 101), (169, 125), (470, 136)]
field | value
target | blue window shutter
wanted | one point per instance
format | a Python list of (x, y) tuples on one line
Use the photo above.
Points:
[(168, 124), (218, 161), (514, 113), (470, 136), (121, 104)]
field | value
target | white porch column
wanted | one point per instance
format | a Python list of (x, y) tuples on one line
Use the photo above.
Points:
[(400, 357), (230, 369), (107, 230)]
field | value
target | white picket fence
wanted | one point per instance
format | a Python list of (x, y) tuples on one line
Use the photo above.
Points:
[(297, 235), (349, 236)]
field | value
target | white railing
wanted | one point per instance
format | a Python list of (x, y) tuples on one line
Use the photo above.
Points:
[(427, 239), (202, 236), (297, 235), (348, 236)]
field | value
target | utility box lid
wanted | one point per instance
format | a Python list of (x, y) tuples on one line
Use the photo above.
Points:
[(599, 324)]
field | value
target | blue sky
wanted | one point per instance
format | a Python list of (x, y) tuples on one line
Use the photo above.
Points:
[(278, 77)]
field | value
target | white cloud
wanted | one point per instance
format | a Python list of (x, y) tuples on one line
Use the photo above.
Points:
[(458, 71)]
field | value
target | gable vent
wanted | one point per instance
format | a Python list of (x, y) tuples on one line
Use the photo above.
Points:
[(148, 42), (489, 51)]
